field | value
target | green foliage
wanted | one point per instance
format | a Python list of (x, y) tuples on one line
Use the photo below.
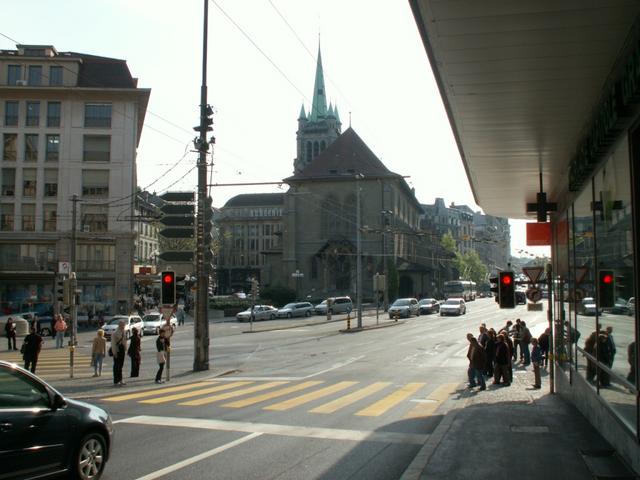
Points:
[(475, 270), (449, 243), (279, 294)]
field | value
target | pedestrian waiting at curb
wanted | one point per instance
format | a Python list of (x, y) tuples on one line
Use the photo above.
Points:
[(98, 351), (536, 360), (515, 336), (10, 331), (502, 362), (31, 349), (134, 352), (60, 327), (118, 351), (477, 359), (543, 342), (161, 355), (525, 340)]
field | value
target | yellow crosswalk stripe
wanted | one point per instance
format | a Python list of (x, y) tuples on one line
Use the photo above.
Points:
[(439, 395), (347, 400), (236, 393), (302, 399), (381, 406), (194, 393), (152, 393), (275, 394)]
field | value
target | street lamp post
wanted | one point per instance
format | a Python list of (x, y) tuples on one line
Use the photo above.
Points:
[(385, 301), (359, 176)]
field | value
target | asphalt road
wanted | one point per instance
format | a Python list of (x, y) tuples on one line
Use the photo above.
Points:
[(300, 403)]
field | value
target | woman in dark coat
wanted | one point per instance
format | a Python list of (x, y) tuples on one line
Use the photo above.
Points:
[(135, 352)]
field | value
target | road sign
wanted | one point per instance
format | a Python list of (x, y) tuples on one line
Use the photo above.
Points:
[(185, 209), (176, 232), (534, 295), (178, 196), (176, 256), (534, 273), (177, 221), (64, 268), (297, 274)]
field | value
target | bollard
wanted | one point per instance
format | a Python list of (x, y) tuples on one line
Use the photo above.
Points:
[(348, 321), (72, 350)]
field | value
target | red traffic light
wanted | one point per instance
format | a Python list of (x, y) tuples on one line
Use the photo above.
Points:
[(167, 278), (607, 278), (506, 280)]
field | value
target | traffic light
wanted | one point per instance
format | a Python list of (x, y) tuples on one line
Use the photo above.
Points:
[(494, 288), (506, 290), (606, 288), (60, 296), (168, 288), (255, 288)]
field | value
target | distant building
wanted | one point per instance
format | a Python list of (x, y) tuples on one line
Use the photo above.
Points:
[(70, 125)]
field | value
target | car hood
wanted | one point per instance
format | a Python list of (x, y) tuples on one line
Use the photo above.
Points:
[(450, 306), (399, 307)]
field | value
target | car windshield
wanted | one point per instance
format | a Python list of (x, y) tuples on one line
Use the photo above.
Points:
[(151, 318), (403, 302), (426, 300), (290, 305), (116, 320), (588, 300), (452, 302)]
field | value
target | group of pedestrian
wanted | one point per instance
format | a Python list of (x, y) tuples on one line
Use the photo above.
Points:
[(600, 344), (123, 345), (492, 354)]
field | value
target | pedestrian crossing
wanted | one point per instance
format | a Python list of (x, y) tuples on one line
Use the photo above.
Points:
[(316, 396), (54, 362)]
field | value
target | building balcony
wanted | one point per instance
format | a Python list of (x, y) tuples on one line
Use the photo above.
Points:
[(27, 264)]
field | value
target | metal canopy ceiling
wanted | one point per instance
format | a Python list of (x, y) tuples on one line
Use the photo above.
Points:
[(520, 80)]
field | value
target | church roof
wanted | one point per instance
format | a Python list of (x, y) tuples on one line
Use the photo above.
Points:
[(346, 156), (255, 200), (319, 104)]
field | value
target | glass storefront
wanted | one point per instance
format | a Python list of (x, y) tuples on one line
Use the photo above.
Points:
[(597, 341), (26, 296)]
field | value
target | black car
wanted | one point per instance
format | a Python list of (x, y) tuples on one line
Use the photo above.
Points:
[(429, 305), (44, 434)]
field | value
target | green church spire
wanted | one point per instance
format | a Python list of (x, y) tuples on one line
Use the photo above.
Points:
[(319, 105)]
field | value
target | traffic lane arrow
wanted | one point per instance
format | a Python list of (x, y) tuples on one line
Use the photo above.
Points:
[(176, 232)]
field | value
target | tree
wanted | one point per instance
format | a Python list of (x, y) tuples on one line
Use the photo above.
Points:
[(475, 270), (279, 294)]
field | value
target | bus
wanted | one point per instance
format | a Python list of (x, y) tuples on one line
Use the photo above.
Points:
[(464, 289)]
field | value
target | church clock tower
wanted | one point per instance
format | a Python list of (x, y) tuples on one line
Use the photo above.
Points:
[(318, 129)]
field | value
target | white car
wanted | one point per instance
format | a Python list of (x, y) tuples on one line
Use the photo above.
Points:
[(453, 306), (404, 307), (260, 312), (130, 321), (588, 306), (154, 321)]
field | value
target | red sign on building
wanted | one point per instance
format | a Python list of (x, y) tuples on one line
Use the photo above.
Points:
[(538, 234)]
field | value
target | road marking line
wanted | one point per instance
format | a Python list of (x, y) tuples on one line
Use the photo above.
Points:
[(236, 393), (390, 401), (270, 395), (439, 395), (197, 458), (336, 366), (281, 430), (151, 393), (194, 393), (308, 397), (351, 398)]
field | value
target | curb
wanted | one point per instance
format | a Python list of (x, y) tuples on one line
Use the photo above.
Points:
[(373, 327)]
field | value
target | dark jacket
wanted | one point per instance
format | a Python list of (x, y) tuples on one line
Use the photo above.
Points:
[(32, 345), (476, 355), (134, 347), (502, 353), (543, 341)]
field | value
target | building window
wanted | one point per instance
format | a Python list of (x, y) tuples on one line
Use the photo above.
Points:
[(49, 221), (53, 114), (11, 113), (14, 73), (95, 183), (8, 182), (97, 148), (6, 217), (28, 217), (53, 148), (95, 218), (29, 182), (33, 114), (97, 115), (35, 75), (10, 148), (31, 148), (50, 183), (55, 76)]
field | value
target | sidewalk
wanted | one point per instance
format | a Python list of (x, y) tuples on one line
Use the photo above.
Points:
[(514, 432)]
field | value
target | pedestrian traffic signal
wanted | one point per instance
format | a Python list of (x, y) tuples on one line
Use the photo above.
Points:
[(60, 290), (168, 288), (506, 290), (606, 288)]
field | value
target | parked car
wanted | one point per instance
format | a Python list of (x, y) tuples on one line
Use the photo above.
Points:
[(22, 325), (404, 307), (299, 309), (588, 306), (46, 434), (453, 306), (259, 312), (130, 321), (338, 305), (152, 322), (631, 305), (429, 305), (521, 298)]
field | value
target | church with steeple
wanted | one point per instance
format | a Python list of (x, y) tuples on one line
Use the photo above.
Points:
[(320, 128)]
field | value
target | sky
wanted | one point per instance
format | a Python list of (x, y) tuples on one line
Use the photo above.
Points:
[(261, 67)]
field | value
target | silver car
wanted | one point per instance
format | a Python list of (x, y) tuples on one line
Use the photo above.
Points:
[(130, 321), (404, 307), (453, 306), (338, 305), (259, 312), (298, 309), (154, 321)]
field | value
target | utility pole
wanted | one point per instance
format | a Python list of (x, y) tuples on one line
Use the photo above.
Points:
[(358, 253), (73, 285), (201, 324)]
